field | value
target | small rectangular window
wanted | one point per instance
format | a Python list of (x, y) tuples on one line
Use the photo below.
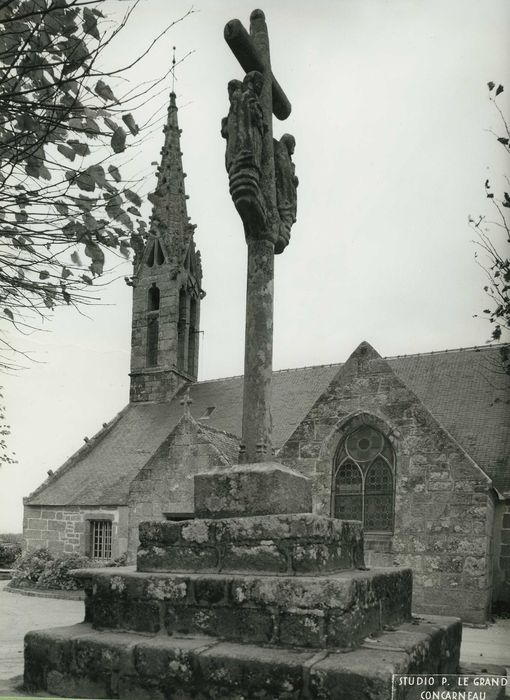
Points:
[(101, 539)]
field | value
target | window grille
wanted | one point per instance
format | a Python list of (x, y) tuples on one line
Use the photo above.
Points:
[(364, 480), (349, 492), (379, 497), (101, 535)]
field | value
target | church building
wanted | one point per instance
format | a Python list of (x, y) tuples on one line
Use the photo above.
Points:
[(417, 447)]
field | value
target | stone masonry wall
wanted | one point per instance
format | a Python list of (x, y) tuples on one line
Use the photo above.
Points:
[(165, 484), (443, 501), (65, 530), (502, 557), (158, 383)]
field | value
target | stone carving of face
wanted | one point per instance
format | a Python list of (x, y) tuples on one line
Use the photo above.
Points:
[(290, 143), (254, 80), (233, 86)]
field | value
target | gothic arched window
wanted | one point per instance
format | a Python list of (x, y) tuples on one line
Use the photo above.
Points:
[(152, 326), (182, 330), (192, 339), (363, 480)]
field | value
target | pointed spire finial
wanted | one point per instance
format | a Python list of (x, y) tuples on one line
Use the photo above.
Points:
[(186, 402), (173, 70)]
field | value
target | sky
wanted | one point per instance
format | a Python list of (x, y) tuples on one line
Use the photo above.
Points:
[(394, 134)]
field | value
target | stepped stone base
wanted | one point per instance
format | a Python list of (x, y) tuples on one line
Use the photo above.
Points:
[(273, 544), (335, 611), (82, 662)]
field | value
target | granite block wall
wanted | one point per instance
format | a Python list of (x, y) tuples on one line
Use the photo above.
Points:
[(165, 484), (501, 558), (65, 529), (444, 506)]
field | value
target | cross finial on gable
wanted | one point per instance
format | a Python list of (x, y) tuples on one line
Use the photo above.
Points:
[(186, 402)]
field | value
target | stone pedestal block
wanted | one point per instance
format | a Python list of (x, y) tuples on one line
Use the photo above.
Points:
[(273, 544), (336, 611), (252, 489), (82, 662)]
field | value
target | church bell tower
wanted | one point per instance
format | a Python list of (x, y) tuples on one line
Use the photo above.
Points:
[(166, 285)]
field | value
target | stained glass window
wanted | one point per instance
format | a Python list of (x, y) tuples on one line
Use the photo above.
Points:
[(348, 492), (364, 479), (379, 496)]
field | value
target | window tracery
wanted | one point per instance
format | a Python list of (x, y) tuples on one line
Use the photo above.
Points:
[(363, 481)]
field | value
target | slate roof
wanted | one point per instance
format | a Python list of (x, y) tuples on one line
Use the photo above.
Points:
[(101, 472), (468, 393), (459, 387)]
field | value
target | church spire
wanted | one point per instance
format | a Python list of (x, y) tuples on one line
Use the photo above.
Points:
[(170, 220), (167, 284)]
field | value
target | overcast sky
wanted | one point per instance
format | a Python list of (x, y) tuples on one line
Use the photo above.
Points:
[(392, 123)]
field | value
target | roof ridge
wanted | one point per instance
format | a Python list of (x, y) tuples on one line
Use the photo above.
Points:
[(275, 371), (476, 348)]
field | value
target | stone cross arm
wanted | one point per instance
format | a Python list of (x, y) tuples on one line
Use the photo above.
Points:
[(250, 58)]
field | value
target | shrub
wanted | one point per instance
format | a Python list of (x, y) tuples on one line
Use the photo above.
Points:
[(9, 552), (43, 570), (11, 537), (56, 572), (119, 561), (29, 567)]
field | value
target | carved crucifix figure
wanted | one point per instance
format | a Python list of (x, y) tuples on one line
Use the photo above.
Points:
[(263, 188)]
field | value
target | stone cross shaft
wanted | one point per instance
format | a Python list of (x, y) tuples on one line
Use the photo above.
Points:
[(263, 187)]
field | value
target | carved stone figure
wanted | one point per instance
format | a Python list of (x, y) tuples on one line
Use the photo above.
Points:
[(286, 188), (243, 130)]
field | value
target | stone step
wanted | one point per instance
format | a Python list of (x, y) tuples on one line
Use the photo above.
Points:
[(276, 544), (81, 662), (334, 611)]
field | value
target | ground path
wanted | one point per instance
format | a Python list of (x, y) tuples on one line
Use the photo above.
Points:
[(19, 614)]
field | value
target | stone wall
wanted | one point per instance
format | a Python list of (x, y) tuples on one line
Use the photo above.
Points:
[(159, 383), (65, 529), (502, 556), (165, 484), (443, 501)]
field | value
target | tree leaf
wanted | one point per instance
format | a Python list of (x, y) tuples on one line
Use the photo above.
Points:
[(491, 85), (62, 208), (110, 123), (66, 151), (75, 257), (81, 149), (97, 173), (9, 314), (129, 121), (104, 91), (133, 197), (118, 141), (115, 173), (90, 23), (85, 181), (499, 90)]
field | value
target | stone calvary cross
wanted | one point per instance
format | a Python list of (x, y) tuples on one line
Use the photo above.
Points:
[(263, 186)]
